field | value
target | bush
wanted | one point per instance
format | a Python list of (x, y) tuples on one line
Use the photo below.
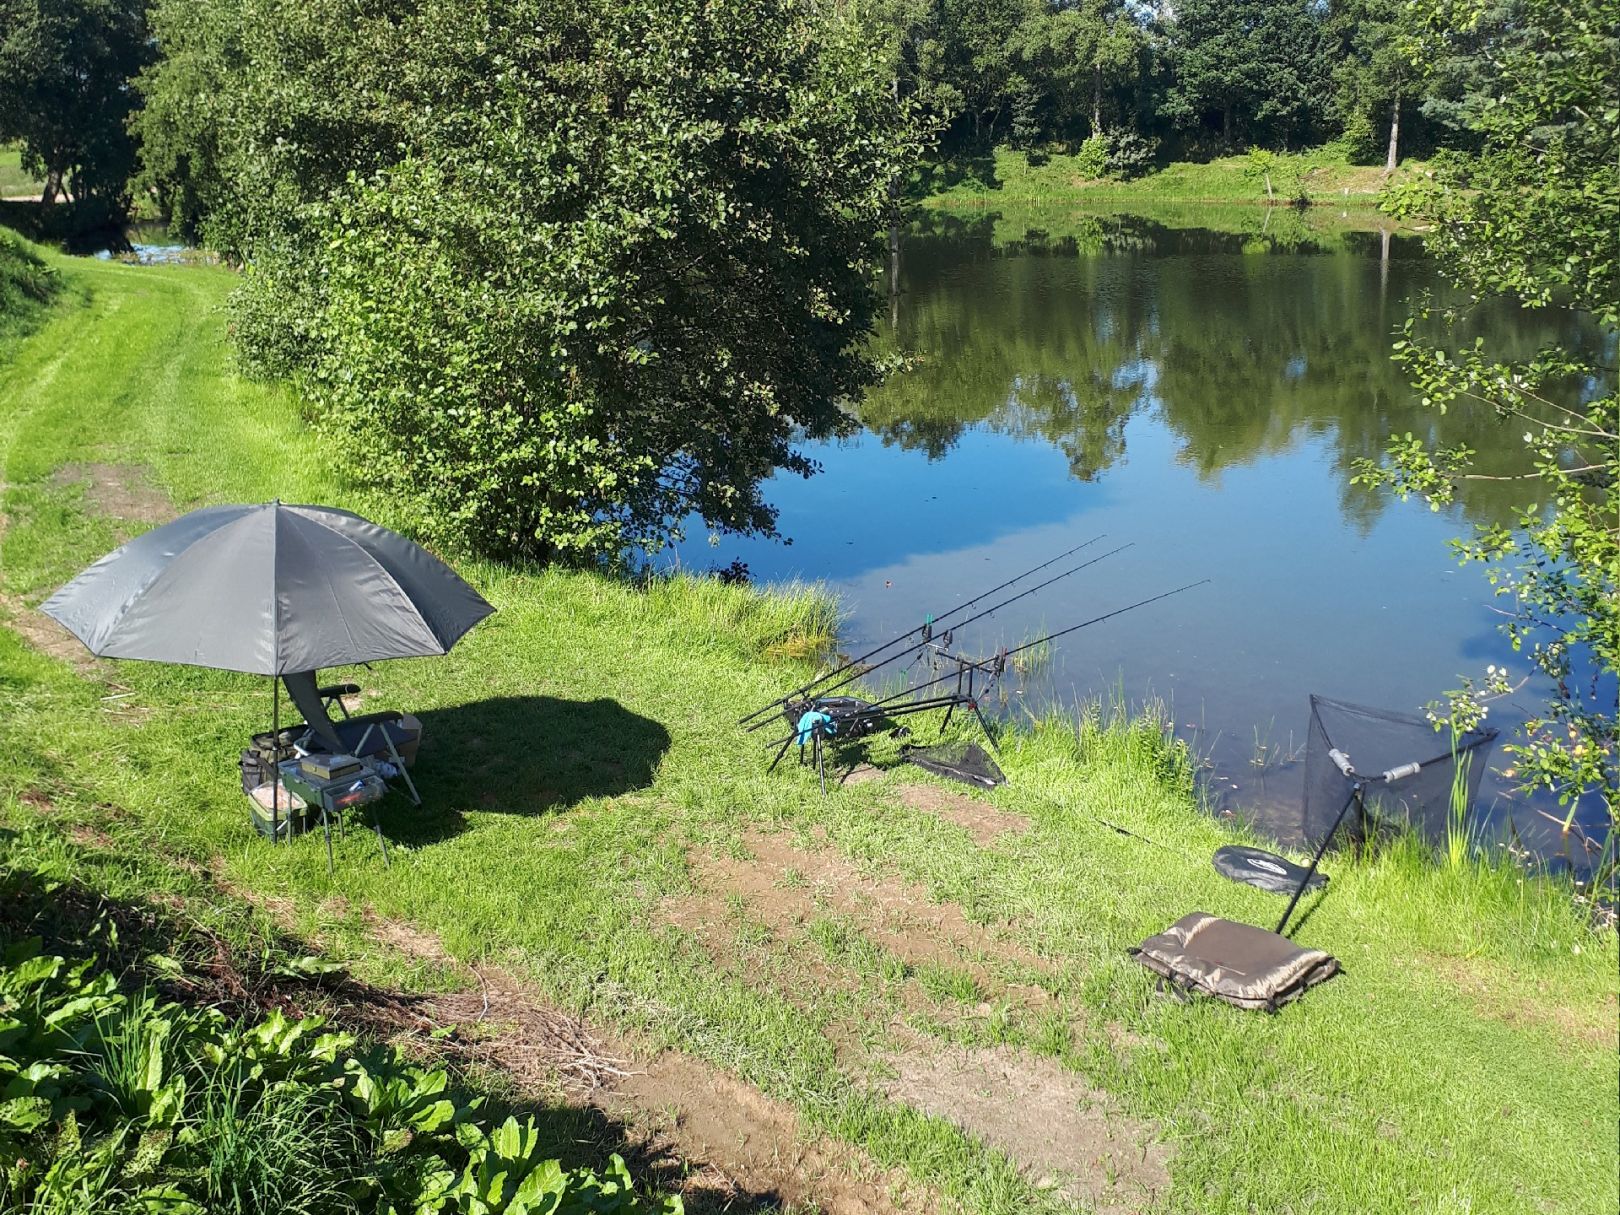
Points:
[(1129, 154), (1091, 161), (562, 272), (1363, 141)]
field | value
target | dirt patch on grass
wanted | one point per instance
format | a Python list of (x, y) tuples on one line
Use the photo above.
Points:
[(1063, 1133), (984, 822), (119, 491), (758, 1146), (45, 635), (736, 1145), (787, 889), (1503, 996)]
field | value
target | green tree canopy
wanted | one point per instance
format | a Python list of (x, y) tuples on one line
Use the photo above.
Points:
[(65, 71), (1256, 71), (1082, 55), (561, 272), (1535, 216), (1373, 79)]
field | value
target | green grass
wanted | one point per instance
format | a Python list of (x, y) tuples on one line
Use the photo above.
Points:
[(1011, 177), (27, 284), (583, 745), (14, 182)]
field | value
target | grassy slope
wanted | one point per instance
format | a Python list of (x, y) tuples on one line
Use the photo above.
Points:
[(15, 183), (583, 743), (1010, 178)]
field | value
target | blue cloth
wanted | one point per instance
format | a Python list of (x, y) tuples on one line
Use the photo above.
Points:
[(809, 722)]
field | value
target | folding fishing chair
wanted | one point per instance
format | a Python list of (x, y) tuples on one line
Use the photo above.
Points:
[(369, 736)]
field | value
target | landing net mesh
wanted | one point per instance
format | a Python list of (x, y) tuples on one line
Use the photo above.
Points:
[(1376, 742)]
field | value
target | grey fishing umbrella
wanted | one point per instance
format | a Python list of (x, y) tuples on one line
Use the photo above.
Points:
[(268, 589)]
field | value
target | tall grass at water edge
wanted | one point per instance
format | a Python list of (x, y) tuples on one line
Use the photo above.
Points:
[(1455, 888)]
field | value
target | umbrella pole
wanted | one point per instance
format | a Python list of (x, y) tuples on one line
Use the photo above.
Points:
[(275, 761)]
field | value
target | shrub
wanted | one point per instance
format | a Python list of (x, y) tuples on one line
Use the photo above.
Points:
[(1130, 154), (1091, 161)]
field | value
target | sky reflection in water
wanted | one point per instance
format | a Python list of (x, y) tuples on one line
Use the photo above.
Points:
[(1201, 396)]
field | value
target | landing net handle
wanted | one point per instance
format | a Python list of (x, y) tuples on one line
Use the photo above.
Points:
[(1358, 790)]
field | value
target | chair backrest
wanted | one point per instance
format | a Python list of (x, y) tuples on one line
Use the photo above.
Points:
[(301, 687)]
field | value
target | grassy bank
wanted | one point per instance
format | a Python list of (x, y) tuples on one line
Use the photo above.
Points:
[(14, 181), (1012, 178), (595, 823)]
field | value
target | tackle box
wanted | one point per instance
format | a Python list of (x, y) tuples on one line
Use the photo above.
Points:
[(327, 768)]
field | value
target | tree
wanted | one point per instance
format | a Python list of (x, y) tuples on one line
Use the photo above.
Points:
[(1534, 215), (65, 71), (1374, 76), (1458, 63), (979, 64), (1079, 55), (1255, 69), (560, 273)]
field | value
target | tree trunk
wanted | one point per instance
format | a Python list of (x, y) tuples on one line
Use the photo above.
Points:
[(1269, 198), (896, 190), (1394, 134), (1096, 99), (1226, 128), (52, 189)]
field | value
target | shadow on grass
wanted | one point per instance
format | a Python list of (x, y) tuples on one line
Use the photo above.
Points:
[(524, 755), (972, 165), (248, 980)]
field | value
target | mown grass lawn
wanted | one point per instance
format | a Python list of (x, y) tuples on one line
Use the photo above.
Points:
[(1014, 177), (584, 774)]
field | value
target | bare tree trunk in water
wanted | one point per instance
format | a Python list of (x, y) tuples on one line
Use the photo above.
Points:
[(1383, 270), (1394, 134)]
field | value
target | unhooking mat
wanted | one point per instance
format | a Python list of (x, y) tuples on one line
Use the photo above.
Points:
[(1238, 963)]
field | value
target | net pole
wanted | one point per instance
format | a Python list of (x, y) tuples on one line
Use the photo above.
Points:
[(1321, 851)]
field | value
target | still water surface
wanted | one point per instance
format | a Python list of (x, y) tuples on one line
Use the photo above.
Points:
[(1200, 395)]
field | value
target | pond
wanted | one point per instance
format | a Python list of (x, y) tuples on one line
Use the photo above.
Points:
[(1199, 395)]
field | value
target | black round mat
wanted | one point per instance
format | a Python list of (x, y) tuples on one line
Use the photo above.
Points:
[(1266, 870)]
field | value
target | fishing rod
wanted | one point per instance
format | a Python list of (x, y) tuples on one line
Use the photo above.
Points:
[(1050, 637), (872, 709), (926, 625), (820, 684)]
